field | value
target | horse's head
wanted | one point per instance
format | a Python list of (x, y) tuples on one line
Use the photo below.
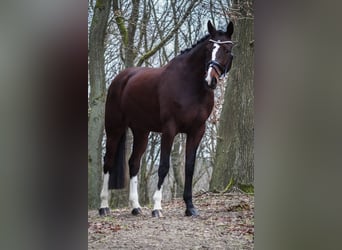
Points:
[(219, 54)]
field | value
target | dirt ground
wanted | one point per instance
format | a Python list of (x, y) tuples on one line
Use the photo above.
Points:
[(226, 221)]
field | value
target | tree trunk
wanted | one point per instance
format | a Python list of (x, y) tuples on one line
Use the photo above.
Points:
[(234, 153), (119, 198), (177, 159), (96, 99), (143, 182)]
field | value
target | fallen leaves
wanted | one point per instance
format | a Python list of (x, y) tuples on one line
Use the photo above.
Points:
[(225, 221), (239, 207), (103, 227)]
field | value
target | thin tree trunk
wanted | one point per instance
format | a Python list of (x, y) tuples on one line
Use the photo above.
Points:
[(234, 155), (96, 99), (176, 162), (119, 198)]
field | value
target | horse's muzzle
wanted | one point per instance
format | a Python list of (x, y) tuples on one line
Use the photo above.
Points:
[(213, 83)]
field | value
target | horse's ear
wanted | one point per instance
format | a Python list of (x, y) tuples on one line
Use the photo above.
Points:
[(211, 29), (230, 29)]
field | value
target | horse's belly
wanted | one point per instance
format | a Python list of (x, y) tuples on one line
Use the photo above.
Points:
[(144, 121), (143, 116)]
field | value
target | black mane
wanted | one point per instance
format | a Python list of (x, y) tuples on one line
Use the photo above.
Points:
[(201, 40), (194, 45)]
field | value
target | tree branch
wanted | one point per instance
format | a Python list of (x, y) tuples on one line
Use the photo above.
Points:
[(120, 21), (169, 36)]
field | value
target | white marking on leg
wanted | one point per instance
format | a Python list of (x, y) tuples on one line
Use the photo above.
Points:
[(213, 58), (104, 192), (157, 197), (133, 192)]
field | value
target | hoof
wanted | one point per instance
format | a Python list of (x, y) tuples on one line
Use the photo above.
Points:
[(136, 211), (157, 213), (104, 211), (191, 212)]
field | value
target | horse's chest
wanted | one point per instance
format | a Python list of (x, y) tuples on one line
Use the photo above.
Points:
[(192, 114), (187, 108)]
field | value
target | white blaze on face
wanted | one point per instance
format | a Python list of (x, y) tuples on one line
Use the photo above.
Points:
[(213, 58), (133, 192), (157, 197), (104, 191)]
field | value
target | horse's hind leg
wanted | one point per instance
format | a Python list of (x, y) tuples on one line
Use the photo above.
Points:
[(104, 208), (140, 139), (112, 143)]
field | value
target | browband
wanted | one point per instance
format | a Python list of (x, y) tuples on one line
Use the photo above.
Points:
[(220, 42)]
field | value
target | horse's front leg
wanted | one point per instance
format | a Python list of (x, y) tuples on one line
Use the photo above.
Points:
[(164, 166), (192, 142)]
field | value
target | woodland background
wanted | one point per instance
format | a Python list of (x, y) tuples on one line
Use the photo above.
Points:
[(297, 90), (150, 33)]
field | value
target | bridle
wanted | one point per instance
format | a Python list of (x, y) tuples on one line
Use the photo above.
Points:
[(212, 63)]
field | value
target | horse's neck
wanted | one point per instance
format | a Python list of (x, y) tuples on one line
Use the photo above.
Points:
[(192, 65), (197, 55), (195, 61)]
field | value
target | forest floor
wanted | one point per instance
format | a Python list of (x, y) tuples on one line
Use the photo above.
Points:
[(226, 221)]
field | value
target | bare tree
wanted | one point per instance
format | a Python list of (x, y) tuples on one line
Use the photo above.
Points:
[(96, 99), (234, 156)]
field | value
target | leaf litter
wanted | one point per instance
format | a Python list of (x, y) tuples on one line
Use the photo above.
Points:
[(226, 221)]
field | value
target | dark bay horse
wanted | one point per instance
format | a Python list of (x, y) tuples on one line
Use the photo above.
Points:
[(176, 98)]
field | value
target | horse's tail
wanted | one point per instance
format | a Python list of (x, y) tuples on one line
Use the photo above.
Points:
[(115, 160), (117, 170)]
